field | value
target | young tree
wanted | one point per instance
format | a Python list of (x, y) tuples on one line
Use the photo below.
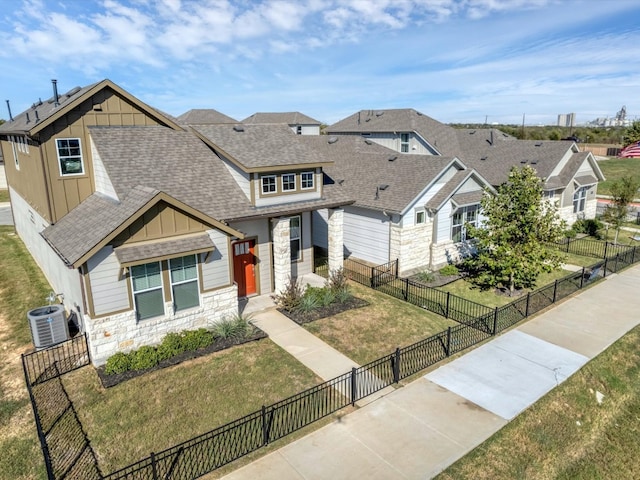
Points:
[(623, 191), (631, 134), (512, 240)]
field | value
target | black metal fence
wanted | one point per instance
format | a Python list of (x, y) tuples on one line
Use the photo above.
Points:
[(68, 453)]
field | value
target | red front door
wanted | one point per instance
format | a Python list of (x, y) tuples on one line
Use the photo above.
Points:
[(244, 261)]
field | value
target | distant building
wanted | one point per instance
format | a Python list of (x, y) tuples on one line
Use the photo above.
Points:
[(620, 120), (566, 119)]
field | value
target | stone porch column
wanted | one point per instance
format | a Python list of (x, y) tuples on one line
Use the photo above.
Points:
[(336, 239), (281, 252)]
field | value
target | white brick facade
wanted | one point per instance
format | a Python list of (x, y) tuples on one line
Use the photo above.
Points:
[(123, 332)]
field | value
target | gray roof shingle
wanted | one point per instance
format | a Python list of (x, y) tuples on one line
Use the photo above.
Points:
[(204, 116), (143, 252), (260, 146), (362, 168), (289, 118)]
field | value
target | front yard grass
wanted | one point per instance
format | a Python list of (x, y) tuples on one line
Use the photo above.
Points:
[(22, 287), (568, 434), (464, 288), (4, 196), (368, 333), (162, 408)]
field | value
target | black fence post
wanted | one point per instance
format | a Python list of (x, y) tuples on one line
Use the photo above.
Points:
[(606, 245), (265, 430), (448, 347), (581, 279), (615, 268), (604, 273), (371, 281), (555, 288), (568, 243), (495, 321), (396, 366), (406, 289), (446, 313), (154, 468), (526, 310), (354, 386)]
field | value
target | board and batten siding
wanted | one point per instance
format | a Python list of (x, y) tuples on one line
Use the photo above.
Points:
[(108, 290), (216, 271), (366, 234), (100, 176)]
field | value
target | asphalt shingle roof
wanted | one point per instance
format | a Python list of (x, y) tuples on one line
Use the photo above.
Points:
[(442, 137), (204, 116), (290, 118), (362, 168), (260, 146), (140, 252)]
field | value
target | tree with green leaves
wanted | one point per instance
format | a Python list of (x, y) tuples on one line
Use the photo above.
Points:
[(623, 191), (512, 240), (631, 134)]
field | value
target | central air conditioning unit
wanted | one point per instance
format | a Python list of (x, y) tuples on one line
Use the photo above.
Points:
[(48, 325)]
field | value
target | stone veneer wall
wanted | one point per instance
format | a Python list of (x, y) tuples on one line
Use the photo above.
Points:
[(336, 239), (123, 332), (447, 252), (411, 245), (281, 253), (566, 213)]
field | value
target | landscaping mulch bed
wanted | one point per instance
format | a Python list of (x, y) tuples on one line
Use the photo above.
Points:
[(219, 344), (306, 317)]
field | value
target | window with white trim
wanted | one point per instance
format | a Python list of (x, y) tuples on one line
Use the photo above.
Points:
[(462, 217), (184, 282), (295, 238), (306, 179), (420, 216), (146, 282), (269, 184), (404, 142), (299, 130), (288, 182), (580, 199), (70, 156)]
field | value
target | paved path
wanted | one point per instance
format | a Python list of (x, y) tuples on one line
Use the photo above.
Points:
[(418, 430), (5, 214)]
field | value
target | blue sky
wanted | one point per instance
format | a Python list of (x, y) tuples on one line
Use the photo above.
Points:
[(455, 60)]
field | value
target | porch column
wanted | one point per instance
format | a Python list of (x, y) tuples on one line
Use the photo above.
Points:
[(336, 239), (281, 253)]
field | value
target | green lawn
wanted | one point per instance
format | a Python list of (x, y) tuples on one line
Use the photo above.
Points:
[(160, 409), (568, 434), (368, 333), (4, 196), (616, 168), (22, 287), (464, 288)]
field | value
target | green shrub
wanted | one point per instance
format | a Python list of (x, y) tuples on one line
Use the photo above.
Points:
[(289, 299), (426, 276), (172, 345), (343, 295), (237, 326), (309, 303), (449, 270), (570, 234), (590, 226), (193, 340), (118, 363), (144, 357)]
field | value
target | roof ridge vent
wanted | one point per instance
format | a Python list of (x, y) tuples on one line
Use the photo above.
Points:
[(332, 139), (238, 128)]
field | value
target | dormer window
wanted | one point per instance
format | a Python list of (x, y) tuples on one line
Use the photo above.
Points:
[(269, 184), (288, 182), (404, 142), (70, 156), (306, 178)]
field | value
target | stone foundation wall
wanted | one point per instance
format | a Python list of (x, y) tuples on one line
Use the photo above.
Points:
[(411, 246), (447, 252), (566, 213), (123, 332)]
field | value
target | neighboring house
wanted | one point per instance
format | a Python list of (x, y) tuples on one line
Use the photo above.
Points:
[(204, 116), (143, 228), (570, 176), (299, 123), (413, 208)]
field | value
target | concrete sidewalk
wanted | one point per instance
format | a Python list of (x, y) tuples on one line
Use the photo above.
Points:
[(417, 431)]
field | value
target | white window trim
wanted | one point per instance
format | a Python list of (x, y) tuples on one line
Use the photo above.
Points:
[(295, 183), (424, 216), (313, 180), (12, 141), (82, 165), (298, 238), (403, 143), (463, 229), (134, 291), (191, 280), (580, 196), (275, 184)]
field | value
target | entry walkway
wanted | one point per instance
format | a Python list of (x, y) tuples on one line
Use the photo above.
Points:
[(416, 431)]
